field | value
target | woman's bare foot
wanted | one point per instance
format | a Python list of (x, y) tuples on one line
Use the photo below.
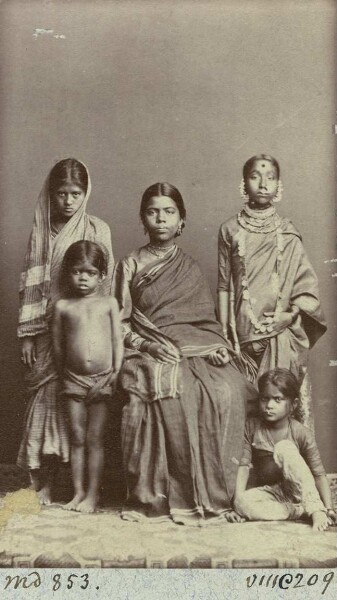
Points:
[(88, 505), (73, 504), (320, 521), (44, 495)]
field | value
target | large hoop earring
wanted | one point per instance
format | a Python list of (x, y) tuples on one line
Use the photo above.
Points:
[(279, 192), (179, 230), (242, 190), (145, 230)]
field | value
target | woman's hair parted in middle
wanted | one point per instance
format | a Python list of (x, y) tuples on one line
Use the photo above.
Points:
[(286, 382), (80, 252), (163, 189), (68, 169), (249, 163)]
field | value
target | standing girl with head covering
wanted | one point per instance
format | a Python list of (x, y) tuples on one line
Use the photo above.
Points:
[(60, 220), (268, 291)]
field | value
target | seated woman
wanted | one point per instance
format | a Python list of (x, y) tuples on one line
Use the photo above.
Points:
[(184, 412)]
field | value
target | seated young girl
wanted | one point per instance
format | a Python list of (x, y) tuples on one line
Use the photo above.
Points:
[(290, 475)]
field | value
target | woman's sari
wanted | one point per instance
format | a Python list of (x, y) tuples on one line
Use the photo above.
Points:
[(45, 430), (182, 424), (277, 272)]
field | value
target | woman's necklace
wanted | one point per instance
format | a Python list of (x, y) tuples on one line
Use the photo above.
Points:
[(159, 251), (54, 229), (275, 277), (259, 221), (56, 224)]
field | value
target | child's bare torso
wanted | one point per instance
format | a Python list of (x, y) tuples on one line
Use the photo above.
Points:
[(86, 326)]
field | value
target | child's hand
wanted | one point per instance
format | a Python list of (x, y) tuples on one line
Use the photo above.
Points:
[(219, 357), (320, 521), (163, 354), (232, 517), (28, 352), (332, 516)]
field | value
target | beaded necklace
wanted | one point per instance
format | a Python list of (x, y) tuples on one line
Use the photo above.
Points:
[(257, 222), (158, 251)]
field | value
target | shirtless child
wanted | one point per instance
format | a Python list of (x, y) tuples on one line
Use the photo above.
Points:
[(88, 350)]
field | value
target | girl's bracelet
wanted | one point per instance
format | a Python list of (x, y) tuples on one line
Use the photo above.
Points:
[(294, 311)]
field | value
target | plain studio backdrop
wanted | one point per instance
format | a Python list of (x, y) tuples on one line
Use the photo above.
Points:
[(176, 91)]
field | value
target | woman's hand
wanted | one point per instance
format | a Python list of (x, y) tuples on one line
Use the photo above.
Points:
[(276, 324), (28, 351), (163, 354), (219, 357)]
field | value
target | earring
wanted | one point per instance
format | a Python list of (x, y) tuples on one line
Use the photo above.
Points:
[(179, 230), (145, 231), (279, 192), (242, 190)]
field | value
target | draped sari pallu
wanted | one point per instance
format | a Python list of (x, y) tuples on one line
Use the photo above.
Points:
[(297, 286), (182, 426), (45, 430)]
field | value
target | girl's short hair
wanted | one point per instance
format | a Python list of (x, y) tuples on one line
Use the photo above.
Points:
[(80, 252), (248, 165), (163, 189), (68, 169), (287, 383)]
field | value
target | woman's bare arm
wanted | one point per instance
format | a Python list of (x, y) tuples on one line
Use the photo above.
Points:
[(116, 336), (223, 309), (241, 480), (57, 333)]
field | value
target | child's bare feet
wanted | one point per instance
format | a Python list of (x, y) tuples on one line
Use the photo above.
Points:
[(320, 521), (44, 495), (88, 505), (73, 504)]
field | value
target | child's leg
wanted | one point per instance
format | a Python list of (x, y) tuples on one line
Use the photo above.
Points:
[(296, 470), (97, 417), (78, 424), (265, 504)]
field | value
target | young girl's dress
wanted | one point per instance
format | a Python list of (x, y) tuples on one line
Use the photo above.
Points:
[(284, 472), (45, 430), (263, 265)]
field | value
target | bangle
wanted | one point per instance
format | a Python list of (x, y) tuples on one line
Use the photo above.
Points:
[(294, 313), (144, 347)]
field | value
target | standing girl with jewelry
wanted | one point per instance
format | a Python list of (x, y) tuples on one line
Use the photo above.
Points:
[(267, 289), (60, 220)]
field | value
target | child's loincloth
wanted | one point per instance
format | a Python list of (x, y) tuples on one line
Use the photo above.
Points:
[(88, 388)]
